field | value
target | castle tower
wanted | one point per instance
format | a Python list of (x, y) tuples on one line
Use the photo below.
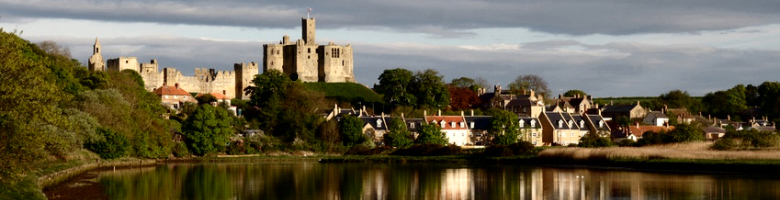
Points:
[(245, 73), (308, 27), (96, 62)]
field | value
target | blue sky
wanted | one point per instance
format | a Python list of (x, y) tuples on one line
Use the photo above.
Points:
[(606, 48)]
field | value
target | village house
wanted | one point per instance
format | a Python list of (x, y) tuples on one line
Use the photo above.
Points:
[(655, 118), (453, 126), (636, 131), (531, 130), (614, 112), (597, 125), (173, 96), (220, 98), (560, 128), (575, 104)]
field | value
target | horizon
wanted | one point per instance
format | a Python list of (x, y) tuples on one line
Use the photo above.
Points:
[(633, 49)]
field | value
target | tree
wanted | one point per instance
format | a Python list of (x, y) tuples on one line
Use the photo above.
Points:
[(351, 130), (503, 127), (399, 135), (429, 89), (462, 98), (769, 98), (205, 99), (481, 82), (207, 130), (329, 133), (267, 95), (686, 133), (529, 82), (594, 140), (51, 47), (463, 82), (572, 93), (112, 145), (679, 99), (394, 86), (729, 102), (431, 134)]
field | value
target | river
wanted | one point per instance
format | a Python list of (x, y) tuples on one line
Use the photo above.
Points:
[(313, 180)]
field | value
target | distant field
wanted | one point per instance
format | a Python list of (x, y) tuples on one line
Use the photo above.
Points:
[(349, 92), (622, 100)]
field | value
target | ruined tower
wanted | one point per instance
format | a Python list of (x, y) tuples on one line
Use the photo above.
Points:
[(96, 62), (244, 75), (308, 28)]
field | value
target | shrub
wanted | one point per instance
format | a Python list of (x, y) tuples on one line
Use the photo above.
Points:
[(113, 145), (236, 148), (747, 139), (627, 143), (180, 150), (516, 149), (593, 140)]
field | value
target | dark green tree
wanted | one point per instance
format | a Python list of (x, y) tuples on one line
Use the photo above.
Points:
[(398, 135), (205, 99), (431, 134), (207, 130), (395, 87), (769, 98), (594, 140), (351, 129), (503, 127), (572, 93), (267, 94), (686, 133), (113, 145), (729, 102), (680, 99), (430, 90)]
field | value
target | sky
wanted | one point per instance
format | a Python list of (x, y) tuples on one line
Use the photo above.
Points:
[(606, 48)]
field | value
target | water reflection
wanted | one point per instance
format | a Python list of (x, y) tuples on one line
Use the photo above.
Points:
[(312, 180)]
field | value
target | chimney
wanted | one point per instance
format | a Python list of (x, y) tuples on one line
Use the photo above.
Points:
[(364, 110), (728, 117), (560, 96), (425, 113), (360, 112), (177, 85), (610, 102), (637, 124), (472, 112), (439, 112), (637, 103)]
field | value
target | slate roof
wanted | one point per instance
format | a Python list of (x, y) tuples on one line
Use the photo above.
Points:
[(713, 129), (555, 117), (578, 119), (618, 108), (595, 119), (521, 103), (657, 114), (417, 122), (372, 120), (527, 122), (480, 122)]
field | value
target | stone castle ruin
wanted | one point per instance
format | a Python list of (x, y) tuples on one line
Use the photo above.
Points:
[(304, 60)]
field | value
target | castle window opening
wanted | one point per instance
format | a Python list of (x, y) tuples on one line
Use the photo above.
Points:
[(309, 50)]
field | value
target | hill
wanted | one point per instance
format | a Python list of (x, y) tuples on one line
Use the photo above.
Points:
[(346, 92)]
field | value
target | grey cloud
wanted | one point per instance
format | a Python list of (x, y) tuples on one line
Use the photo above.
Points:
[(441, 18)]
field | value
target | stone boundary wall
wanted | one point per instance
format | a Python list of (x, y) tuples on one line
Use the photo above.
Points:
[(64, 175)]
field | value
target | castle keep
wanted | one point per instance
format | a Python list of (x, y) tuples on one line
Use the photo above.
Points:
[(304, 60), (307, 61)]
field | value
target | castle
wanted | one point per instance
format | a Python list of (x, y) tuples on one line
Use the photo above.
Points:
[(304, 60), (307, 61)]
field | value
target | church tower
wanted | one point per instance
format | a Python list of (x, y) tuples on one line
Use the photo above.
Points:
[(308, 26), (96, 62)]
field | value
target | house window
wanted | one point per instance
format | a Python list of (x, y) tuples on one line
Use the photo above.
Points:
[(534, 135), (462, 134), (175, 96), (471, 124), (534, 142), (379, 123), (411, 125), (522, 123), (165, 96), (601, 123), (452, 124), (582, 123), (560, 134), (533, 123), (463, 124), (560, 123), (442, 123), (185, 97), (571, 134)]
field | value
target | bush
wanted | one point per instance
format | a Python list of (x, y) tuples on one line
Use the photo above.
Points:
[(627, 143), (236, 148), (593, 140), (747, 139), (180, 150), (516, 149), (113, 145)]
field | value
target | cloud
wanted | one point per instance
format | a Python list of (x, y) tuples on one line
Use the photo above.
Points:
[(439, 18)]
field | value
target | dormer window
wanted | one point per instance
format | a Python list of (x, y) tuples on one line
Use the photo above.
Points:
[(442, 123), (582, 123), (463, 124), (560, 123), (533, 123), (522, 123), (471, 124), (601, 123), (570, 123), (379, 123), (411, 125), (452, 124)]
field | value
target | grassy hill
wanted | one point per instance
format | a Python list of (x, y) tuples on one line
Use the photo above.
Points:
[(346, 92)]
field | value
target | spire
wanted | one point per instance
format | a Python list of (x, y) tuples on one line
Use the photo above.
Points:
[(97, 41)]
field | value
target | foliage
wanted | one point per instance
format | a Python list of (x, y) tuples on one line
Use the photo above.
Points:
[(205, 99), (516, 149), (351, 129), (503, 127), (572, 93), (462, 98), (267, 94), (29, 98), (769, 99), (398, 135), (180, 150), (723, 103), (113, 145), (328, 133), (593, 140), (346, 92), (465, 82), (530, 82), (680, 99), (395, 87), (430, 90), (207, 130), (747, 139), (686, 133), (431, 134), (429, 150), (298, 117)]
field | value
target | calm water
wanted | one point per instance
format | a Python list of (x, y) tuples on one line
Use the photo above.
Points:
[(312, 180)]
